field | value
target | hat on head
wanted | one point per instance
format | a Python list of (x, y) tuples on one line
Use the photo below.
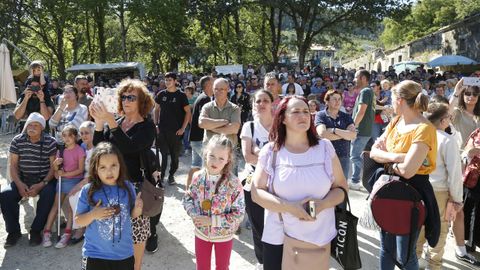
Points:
[(442, 83), (35, 117)]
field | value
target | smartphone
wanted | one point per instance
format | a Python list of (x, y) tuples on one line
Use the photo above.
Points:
[(310, 208), (35, 88), (471, 81)]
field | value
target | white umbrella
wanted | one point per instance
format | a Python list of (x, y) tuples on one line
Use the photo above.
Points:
[(451, 60), (7, 87)]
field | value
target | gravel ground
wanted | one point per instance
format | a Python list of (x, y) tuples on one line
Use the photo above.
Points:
[(176, 238)]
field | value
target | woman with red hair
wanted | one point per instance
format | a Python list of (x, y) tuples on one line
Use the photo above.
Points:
[(294, 169)]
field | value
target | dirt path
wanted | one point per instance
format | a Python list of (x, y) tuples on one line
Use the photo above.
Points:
[(176, 244)]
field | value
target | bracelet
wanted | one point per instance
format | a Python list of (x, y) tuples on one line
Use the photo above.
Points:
[(42, 101)]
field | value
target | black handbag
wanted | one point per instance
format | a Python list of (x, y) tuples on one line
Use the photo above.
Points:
[(369, 170), (152, 193), (344, 247)]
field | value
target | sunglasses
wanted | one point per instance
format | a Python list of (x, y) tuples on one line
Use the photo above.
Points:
[(239, 86), (477, 74), (130, 98), (475, 94)]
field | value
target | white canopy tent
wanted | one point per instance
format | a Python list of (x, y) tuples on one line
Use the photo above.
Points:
[(7, 86), (112, 67)]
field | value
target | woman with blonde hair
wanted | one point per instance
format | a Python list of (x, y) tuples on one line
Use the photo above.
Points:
[(409, 145), (133, 134)]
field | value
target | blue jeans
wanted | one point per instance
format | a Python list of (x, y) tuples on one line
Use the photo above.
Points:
[(197, 156), (11, 210), (345, 162), (186, 141), (393, 246), (358, 145), (377, 130)]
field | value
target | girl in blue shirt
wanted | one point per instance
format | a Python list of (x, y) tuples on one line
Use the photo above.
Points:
[(105, 207)]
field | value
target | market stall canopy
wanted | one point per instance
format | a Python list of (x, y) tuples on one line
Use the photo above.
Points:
[(451, 60), (7, 86), (112, 67)]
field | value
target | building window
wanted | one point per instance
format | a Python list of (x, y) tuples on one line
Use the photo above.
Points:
[(392, 61), (399, 58)]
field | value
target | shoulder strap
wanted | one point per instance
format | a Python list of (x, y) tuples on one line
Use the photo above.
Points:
[(252, 129)]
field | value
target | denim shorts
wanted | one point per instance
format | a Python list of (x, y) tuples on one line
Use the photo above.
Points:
[(68, 184), (197, 161)]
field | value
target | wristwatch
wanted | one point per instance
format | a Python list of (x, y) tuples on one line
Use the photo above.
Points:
[(333, 131), (45, 182)]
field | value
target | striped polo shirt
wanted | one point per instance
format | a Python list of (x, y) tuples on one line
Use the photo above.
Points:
[(33, 158)]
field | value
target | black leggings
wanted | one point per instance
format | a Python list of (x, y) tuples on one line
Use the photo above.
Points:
[(102, 264), (272, 256), (255, 214)]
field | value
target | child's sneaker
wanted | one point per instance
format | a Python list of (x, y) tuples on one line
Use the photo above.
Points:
[(63, 240), (47, 241)]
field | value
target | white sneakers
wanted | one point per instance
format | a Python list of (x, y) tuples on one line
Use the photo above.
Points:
[(63, 240), (47, 241), (355, 186)]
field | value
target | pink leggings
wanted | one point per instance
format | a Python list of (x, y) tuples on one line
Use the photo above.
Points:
[(203, 252)]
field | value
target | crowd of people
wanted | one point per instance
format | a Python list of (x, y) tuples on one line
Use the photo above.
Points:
[(301, 134)]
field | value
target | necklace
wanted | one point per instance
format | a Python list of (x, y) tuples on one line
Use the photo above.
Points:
[(128, 124), (116, 207)]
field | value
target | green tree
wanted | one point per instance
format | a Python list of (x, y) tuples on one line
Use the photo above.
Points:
[(425, 17), (312, 17)]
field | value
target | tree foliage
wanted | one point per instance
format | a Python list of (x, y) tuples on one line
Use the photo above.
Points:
[(425, 17), (185, 34)]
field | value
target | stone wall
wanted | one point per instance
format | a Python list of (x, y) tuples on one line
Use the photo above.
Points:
[(461, 38)]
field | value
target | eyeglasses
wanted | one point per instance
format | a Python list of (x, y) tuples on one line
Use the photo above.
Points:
[(468, 93), (130, 98)]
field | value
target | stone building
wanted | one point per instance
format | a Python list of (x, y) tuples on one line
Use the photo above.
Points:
[(460, 38)]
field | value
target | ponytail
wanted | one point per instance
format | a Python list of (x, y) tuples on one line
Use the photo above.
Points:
[(421, 102)]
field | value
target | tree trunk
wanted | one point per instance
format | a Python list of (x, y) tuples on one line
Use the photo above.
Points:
[(275, 30), (100, 21), (89, 38), (60, 53), (123, 30), (238, 35)]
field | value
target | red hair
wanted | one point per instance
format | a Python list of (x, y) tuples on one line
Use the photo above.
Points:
[(278, 132)]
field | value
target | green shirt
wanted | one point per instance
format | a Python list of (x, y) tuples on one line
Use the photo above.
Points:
[(367, 97), (230, 112)]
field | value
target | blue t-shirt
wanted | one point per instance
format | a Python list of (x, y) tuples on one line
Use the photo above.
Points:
[(108, 239), (343, 120)]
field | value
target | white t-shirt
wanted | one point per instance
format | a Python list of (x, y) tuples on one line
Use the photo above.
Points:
[(298, 89), (297, 177), (260, 138)]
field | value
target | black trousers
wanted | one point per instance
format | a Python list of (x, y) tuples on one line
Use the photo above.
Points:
[(101, 264), (169, 144), (256, 215), (471, 210), (272, 256), (153, 224)]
